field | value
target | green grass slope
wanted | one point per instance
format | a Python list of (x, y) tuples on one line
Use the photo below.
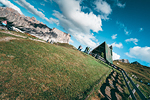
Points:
[(35, 70), (141, 72)]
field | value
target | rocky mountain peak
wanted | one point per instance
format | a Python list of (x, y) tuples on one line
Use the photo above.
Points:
[(33, 26)]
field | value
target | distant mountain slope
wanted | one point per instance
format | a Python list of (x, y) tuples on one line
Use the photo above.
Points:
[(135, 62), (139, 73), (123, 60), (33, 26)]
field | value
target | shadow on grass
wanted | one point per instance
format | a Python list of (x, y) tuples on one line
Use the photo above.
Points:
[(113, 88), (86, 93)]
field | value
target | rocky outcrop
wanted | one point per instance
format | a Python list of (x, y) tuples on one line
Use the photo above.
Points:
[(137, 63), (33, 26), (123, 60)]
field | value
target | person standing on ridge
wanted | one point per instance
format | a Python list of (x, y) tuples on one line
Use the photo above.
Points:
[(47, 40), (86, 50), (79, 47)]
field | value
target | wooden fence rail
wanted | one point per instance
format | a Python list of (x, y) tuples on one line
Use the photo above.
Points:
[(125, 77), (135, 87), (131, 93)]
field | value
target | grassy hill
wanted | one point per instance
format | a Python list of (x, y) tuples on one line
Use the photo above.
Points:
[(36, 70), (139, 71)]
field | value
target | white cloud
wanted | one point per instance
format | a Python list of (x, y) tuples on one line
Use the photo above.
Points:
[(78, 23), (117, 45), (71, 41), (121, 25), (114, 36), (85, 39), (142, 53), (129, 55), (46, 0), (121, 5), (126, 31), (104, 8), (115, 56), (42, 4), (134, 40), (31, 9), (10, 5), (55, 21), (141, 29), (41, 10)]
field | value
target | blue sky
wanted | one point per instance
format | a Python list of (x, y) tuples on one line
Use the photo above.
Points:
[(125, 24)]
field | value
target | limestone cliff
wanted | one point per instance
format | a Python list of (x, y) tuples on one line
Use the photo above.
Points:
[(33, 26)]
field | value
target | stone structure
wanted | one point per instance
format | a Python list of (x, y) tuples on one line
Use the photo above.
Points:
[(104, 51), (123, 60), (33, 26)]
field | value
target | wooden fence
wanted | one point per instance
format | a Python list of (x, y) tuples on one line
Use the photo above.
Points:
[(125, 77)]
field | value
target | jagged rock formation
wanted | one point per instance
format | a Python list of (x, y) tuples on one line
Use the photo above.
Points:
[(123, 60), (33, 26)]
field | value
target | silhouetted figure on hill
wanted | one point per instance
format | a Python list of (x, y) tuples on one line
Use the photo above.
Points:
[(80, 48), (47, 40), (87, 49), (51, 42)]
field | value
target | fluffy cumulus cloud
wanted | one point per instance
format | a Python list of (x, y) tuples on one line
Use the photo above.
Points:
[(121, 25), (10, 5), (142, 53), (31, 9), (85, 39), (104, 8), (134, 40), (114, 36), (120, 45), (115, 56), (78, 23)]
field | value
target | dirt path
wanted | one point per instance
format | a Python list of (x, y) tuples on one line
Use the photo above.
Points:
[(112, 88), (7, 39), (11, 38), (7, 32)]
